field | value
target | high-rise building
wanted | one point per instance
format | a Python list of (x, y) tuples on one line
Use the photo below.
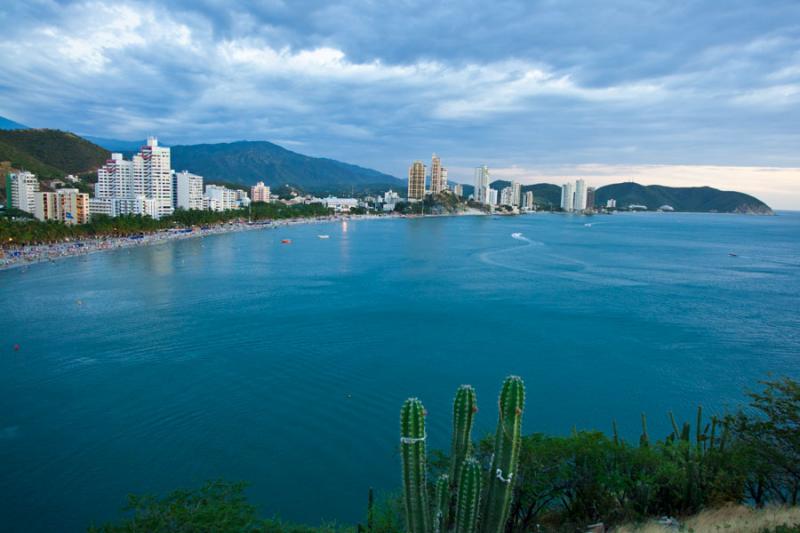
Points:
[(147, 175), (590, 198), (220, 198), (436, 175), (260, 192), (20, 190), (568, 196), (69, 206), (481, 194), (188, 190), (580, 196), (492, 197), (458, 190), (527, 202), (516, 192), (611, 203), (445, 186), (506, 196), (416, 181)]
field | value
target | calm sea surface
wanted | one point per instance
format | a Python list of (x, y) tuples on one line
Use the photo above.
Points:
[(237, 357)]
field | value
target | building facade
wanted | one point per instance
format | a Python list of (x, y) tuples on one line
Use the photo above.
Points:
[(436, 174), (21, 188), (481, 194), (591, 198), (527, 201), (147, 175), (416, 181), (580, 196), (516, 193), (188, 190), (568, 196), (69, 206), (260, 192), (458, 190)]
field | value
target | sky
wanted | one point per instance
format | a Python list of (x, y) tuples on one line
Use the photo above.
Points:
[(656, 91)]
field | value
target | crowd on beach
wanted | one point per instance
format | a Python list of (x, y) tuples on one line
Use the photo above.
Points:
[(12, 256)]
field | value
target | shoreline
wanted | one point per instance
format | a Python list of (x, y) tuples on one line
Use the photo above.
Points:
[(26, 255)]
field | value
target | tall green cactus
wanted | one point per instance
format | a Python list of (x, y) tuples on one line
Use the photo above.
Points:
[(441, 508), (644, 440), (506, 456), (464, 408), (412, 450), (469, 497)]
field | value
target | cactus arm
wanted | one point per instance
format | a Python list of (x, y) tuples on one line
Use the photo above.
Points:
[(412, 450), (464, 408), (469, 497), (442, 504), (506, 456), (675, 429)]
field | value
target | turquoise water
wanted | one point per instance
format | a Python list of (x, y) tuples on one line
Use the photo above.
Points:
[(235, 356)]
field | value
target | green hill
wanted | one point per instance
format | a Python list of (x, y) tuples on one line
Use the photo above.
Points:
[(692, 199), (246, 162), (50, 153)]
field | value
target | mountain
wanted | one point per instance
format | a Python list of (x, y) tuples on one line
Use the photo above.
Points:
[(50, 153), (8, 124), (245, 162), (692, 199), (117, 145)]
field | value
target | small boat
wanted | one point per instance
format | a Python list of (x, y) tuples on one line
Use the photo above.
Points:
[(286, 241), (516, 235), (733, 254), (588, 225), (324, 236)]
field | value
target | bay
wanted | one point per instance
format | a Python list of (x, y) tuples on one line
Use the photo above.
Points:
[(238, 357)]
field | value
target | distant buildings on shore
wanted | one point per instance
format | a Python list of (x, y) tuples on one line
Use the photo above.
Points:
[(577, 197), (417, 179)]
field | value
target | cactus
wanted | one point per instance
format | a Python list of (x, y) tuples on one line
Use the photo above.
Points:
[(616, 434), (464, 409), (506, 456), (442, 504), (412, 450), (469, 497)]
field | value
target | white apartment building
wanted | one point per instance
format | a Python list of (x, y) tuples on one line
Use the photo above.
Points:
[(527, 201), (492, 197), (458, 190), (482, 193), (188, 190), (220, 198), (580, 196), (260, 192), (568, 196), (516, 192), (20, 191), (436, 174), (147, 175), (114, 207), (340, 204), (445, 186), (505, 196)]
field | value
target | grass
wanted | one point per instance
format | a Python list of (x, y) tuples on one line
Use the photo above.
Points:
[(731, 519)]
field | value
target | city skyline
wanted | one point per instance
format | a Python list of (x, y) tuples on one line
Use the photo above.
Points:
[(540, 94)]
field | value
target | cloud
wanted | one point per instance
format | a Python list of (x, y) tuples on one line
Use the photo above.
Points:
[(536, 85)]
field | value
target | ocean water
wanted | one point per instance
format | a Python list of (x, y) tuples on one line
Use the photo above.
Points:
[(237, 357)]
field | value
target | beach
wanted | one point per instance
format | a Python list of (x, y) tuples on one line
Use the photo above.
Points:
[(24, 255)]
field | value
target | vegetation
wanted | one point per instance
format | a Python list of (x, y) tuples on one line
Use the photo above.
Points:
[(695, 199), (50, 153), (17, 232), (246, 162), (706, 471)]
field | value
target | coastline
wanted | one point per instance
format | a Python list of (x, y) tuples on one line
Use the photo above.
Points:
[(26, 255), (22, 256)]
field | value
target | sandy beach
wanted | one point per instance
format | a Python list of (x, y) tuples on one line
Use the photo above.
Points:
[(20, 256)]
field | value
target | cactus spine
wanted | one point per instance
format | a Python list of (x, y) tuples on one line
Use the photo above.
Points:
[(412, 450), (464, 408), (442, 504), (506, 456), (469, 497), (644, 440)]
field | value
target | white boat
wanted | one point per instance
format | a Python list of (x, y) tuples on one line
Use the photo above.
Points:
[(324, 236), (516, 235), (588, 225)]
